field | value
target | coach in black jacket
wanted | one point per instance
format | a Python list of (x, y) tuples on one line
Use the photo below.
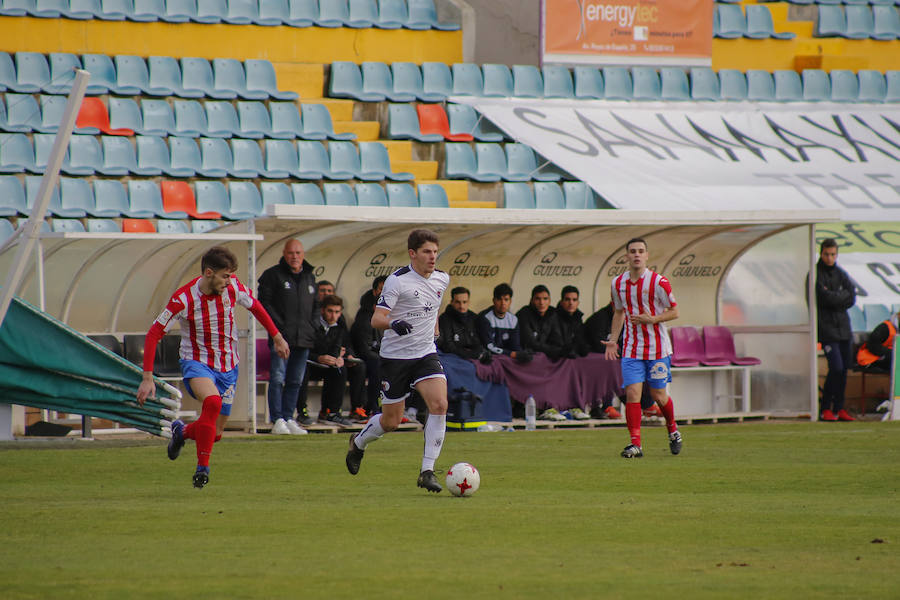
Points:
[(457, 328), (539, 326), (288, 293)]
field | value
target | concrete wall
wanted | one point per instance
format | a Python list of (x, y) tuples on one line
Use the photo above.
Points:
[(501, 31)]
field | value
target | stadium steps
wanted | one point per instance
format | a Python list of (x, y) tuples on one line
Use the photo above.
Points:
[(366, 131)]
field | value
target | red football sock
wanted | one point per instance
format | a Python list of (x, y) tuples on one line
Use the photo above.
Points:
[(205, 429), (668, 412), (189, 430), (633, 420), (218, 437)]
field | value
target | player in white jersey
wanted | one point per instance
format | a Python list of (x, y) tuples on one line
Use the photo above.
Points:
[(643, 301), (407, 312)]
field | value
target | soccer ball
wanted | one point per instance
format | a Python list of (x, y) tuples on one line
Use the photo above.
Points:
[(463, 479)]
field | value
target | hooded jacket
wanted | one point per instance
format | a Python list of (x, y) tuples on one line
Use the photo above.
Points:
[(540, 333), (290, 299), (459, 333)]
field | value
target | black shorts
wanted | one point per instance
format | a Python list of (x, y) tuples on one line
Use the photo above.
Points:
[(400, 375)]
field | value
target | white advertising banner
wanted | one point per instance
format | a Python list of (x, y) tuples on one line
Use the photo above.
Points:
[(718, 156)]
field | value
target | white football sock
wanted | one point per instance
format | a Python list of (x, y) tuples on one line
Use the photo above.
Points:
[(372, 431), (435, 427)]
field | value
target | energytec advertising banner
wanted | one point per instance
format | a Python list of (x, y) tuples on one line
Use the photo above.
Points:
[(627, 32)]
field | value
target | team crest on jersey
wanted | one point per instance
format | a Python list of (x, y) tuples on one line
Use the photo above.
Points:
[(659, 371)]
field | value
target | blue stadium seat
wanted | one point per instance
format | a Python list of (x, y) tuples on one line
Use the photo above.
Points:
[(183, 151), (84, 9), (32, 189), (12, 197), (221, 119), (115, 10), (50, 9), (816, 85), (704, 84), (76, 197), (254, 120), (125, 113), (892, 89), (578, 195), (674, 84), (548, 195), (518, 195), (157, 117), (376, 80), (16, 8), (119, 157), (85, 156), (860, 23), (876, 314), (52, 110), (733, 85), (213, 197), (243, 12), (338, 194), (521, 165), (857, 319), (423, 15), (830, 22), (103, 225), (229, 77), (67, 226), (362, 14), (215, 158), (437, 82), (403, 124), (760, 25), (103, 74), (152, 154), (190, 118), (887, 23), (392, 14), (527, 81), (165, 78), (166, 226), (43, 143), (62, 72), (844, 86), (204, 226), (731, 21), (212, 11), (370, 194), (335, 13), (459, 163), (307, 194), (23, 115), (788, 85), (6, 230), (375, 162), (589, 83), (132, 77), (498, 81), (313, 161), (760, 85), (646, 84), (617, 82), (491, 160), (180, 11), (7, 73), (111, 199), (346, 82), (285, 118), (248, 155), (433, 195), (317, 125), (464, 119), (407, 82), (260, 78), (281, 156), (32, 72), (16, 153), (557, 82), (148, 11), (344, 160), (467, 80), (197, 80), (872, 86), (401, 195), (275, 192), (145, 201), (302, 13)]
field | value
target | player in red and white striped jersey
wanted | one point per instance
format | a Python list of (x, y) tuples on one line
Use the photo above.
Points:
[(643, 302), (205, 309)]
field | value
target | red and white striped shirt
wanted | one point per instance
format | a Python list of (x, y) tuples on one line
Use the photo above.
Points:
[(651, 294), (208, 331)]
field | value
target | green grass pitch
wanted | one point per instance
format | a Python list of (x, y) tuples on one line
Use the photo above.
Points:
[(764, 510)]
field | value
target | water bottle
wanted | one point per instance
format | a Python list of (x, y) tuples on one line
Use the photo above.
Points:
[(490, 427), (530, 414)]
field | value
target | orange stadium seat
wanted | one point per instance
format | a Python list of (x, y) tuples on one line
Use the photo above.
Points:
[(93, 114), (138, 226), (178, 196)]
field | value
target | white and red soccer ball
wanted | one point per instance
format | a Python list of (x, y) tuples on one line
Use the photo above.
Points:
[(463, 479)]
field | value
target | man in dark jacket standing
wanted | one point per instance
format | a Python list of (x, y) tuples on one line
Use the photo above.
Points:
[(835, 294), (457, 326), (288, 293)]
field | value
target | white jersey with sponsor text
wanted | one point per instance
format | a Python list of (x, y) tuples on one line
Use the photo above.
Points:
[(651, 294), (416, 300)]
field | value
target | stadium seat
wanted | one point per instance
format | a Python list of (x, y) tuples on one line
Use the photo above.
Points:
[(718, 343), (392, 14), (346, 82), (307, 194), (646, 84), (67, 225), (892, 89), (498, 81), (172, 227), (274, 192), (145, 201), (138, 226), (12, 197), (617, 82), (433, 195), (345, 163), (103, 226), (7, 73), (465, 120), (124, 113), (589, 83), (362, 14), (16, 153), (375, 162), (157, 117), (248, 161), (148, 11), (179, 11), (370, 194), (285, 118), (860, 23), (760, 85), (132, 77), (93, 118), (313, 162), (215, 158), (437, 82), (152, 154), (32, 73), (377, 81), (43, 143), (212, 196), (674, 84), (245, 201), (85, 156), (687, 347), (760, 25), (119, 157), (578, 195), (422, 13), (403, 124), (557, 82), (115, 10), (816, 85), (16, 8), (875, 314), (518, 195), (338, 194), (704, 84), (433, 121), (548, 195), (281, 157), (52, 110), (32, 189), (22, 113), (84, 9), (527, 82), (110, 199), (197, 81), (400, 195), (165, 78), (76, 197), (407, 82), (302, 13), (522, 165), (830, 22), (872, 87), (491, 161), (62, 73), (317, 125), (788, 86), (254, 121), (261, 79), (229, 76), (467, 80), (459, 163), (190, 118), (183, 152), (204, 227), (887, 23), (733, 85), (214, 11), (6, 230), (177, 196), (333, 14), (103, 74), (221, 119), (731, 20)]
